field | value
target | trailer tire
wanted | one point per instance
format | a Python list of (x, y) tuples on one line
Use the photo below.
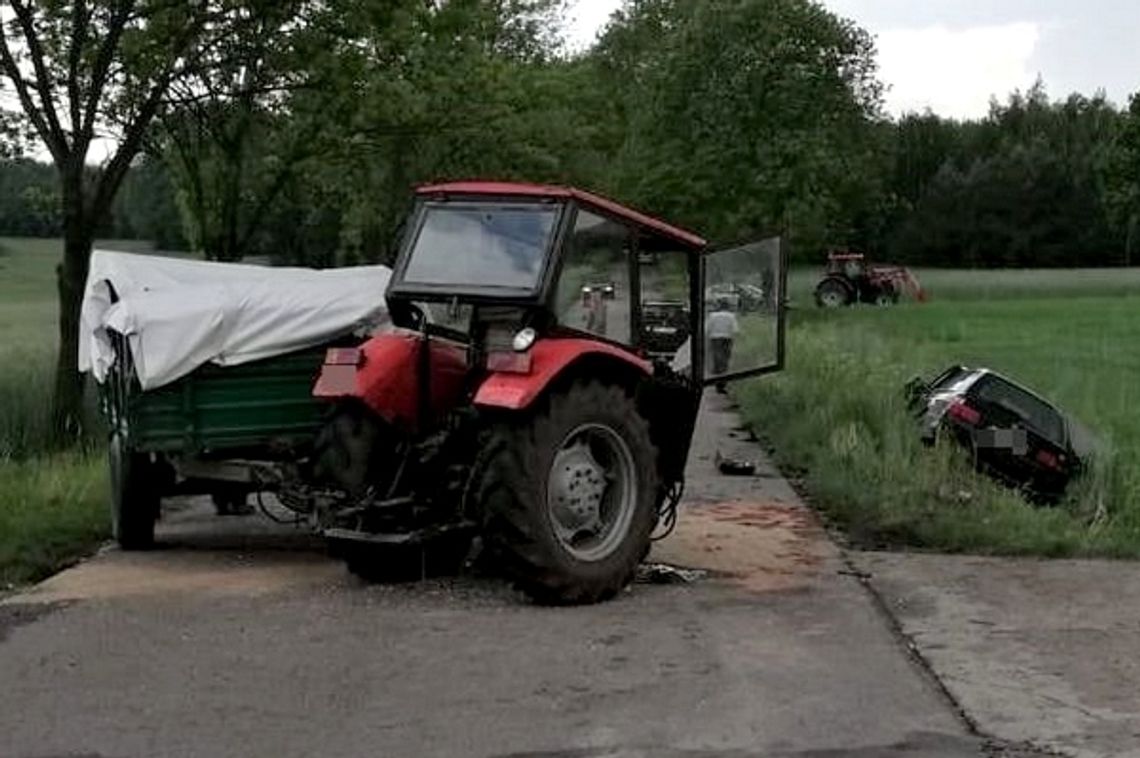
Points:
[(541, 488), (232, 502), (134, 496)]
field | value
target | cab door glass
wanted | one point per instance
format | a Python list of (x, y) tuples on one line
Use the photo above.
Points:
[(593, 293), (665, 326), (744, 311)]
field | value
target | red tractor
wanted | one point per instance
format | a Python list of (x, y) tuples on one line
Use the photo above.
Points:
[(489, 411), (850, 279)]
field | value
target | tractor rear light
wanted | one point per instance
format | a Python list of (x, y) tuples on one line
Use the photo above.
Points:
[(509, 363), (961, 412), (344, 356), (1048, 459)]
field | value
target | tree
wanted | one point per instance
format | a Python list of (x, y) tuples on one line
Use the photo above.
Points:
[(745, 115), (1023, 187), (146, 208), (88, 70), (238, 131), (1122, 178)]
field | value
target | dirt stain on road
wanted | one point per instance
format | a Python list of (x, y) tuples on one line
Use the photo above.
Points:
[(117, 574), (781, 547)]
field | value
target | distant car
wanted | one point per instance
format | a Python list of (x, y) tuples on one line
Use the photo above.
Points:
[(751, 296), (740, 297), (1012, 433), (607, 289), (665, 327)]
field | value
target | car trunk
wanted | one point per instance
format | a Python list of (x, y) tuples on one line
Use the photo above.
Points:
[(1018, 435)]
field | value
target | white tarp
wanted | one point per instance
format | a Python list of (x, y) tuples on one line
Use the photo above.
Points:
[(179, 314)]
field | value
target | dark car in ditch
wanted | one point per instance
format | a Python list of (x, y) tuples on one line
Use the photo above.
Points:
[(1012, 433)]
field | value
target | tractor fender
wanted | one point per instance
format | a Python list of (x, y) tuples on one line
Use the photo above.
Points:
[(384, 373), (551, 358)]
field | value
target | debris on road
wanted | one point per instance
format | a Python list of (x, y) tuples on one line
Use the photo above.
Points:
[(663, 573), (733, 467), (1014, 435)]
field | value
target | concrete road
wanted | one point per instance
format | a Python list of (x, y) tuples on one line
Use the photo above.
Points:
[(243, 640), (1046, 652)]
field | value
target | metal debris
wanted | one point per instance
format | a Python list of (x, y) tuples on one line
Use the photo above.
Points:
[(733, 467), (663, 573)]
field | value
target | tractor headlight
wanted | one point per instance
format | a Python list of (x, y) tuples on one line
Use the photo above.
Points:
[(524, 339)]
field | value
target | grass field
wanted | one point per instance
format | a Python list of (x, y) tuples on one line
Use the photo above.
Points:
[(1004, 284), (52, 507), (837, 414)]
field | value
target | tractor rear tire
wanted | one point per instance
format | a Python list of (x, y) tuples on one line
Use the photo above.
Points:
[(569, 528), (135, 500), (833, 293), (350, 450)]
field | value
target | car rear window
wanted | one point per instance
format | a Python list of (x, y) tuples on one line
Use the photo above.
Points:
[(949, 378), (1035, 412)]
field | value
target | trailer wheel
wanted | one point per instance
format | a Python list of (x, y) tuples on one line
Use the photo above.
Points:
[(568, 495), (232, 502), (833, 293), (134, 496)]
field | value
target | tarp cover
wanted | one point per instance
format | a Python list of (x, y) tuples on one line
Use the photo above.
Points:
[(179, 314)]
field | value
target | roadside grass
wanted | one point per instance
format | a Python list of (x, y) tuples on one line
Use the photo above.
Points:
[(837, 417), (52, 511), (52, 505)]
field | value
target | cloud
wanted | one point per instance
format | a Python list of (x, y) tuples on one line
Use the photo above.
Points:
[(585, 19), (954, 72)]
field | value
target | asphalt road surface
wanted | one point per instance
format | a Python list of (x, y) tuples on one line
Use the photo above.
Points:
[(241, 639)]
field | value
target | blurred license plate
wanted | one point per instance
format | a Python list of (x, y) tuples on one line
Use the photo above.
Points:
[(663, 330), (1014, 440)]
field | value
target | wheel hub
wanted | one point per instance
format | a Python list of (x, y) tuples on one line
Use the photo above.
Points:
[(591, 492), (575, 491)]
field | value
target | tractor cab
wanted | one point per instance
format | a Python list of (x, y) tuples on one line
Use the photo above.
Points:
[(482, 261), (541, 384)]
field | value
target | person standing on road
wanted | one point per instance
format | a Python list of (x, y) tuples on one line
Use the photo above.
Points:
[(721, 329)]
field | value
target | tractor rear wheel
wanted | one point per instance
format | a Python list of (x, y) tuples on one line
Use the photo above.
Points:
[(568, 495), (833, 293), (135, 500)]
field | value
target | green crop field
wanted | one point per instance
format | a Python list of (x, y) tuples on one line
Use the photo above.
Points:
[(52, 506), (836, 417)]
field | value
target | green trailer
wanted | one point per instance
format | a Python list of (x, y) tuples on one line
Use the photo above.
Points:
[(220, 431)]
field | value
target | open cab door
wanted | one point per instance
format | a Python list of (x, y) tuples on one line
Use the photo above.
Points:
[(743, 306)]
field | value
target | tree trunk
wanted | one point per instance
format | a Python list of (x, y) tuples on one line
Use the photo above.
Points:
[(71, 278)]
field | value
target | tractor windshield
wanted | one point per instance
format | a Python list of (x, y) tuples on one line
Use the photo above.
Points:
[(480, 245)]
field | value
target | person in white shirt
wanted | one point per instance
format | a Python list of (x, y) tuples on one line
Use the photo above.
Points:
[(721, 329)]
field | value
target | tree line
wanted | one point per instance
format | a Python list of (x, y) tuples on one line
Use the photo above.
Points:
[(294, 129)]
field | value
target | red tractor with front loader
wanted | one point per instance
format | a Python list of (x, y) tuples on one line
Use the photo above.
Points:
[(850, 279)]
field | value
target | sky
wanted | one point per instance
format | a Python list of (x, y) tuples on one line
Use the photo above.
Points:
[(952, 56)]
